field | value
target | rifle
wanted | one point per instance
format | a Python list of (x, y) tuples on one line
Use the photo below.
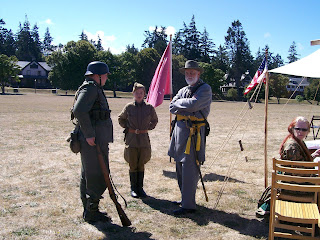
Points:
[(123, 217), (198, 164)]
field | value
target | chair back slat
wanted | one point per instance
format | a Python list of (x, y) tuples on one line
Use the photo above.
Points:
[(297, 187), (298, 179)]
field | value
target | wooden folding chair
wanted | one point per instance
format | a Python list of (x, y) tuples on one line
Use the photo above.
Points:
[(294, 219), (315, 127)]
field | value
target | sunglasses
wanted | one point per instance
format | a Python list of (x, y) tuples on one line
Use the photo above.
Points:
[(301, 129)]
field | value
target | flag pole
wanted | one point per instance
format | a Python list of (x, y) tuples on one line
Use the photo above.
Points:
[(170, 115), (171, 82), (266, 126)]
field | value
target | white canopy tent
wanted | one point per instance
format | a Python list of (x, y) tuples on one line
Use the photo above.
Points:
[(308, 66)]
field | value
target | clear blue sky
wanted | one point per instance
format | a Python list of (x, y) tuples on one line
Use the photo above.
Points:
[(119, 23)]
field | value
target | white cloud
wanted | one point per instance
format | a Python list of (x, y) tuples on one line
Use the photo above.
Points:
[(108, 42), (169, 30), (300, 46), (151, 28), (47, 21), (267, 35)]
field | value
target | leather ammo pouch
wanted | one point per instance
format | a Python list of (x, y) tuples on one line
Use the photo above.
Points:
[(98, 114), (73, 140)]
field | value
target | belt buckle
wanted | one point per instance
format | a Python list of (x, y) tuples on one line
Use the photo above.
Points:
[(137, 131)]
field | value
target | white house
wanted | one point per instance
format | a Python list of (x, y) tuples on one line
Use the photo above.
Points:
[(297, 84), (33, 74)]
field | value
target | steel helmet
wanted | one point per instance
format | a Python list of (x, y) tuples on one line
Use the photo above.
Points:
[(97, 68)]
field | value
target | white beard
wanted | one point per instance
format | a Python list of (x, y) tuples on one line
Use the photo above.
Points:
[(191, 81)]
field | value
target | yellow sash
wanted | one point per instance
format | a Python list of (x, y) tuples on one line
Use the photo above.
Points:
[(193, 128)]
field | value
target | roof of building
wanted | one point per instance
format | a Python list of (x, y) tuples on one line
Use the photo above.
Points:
[(44, 65)]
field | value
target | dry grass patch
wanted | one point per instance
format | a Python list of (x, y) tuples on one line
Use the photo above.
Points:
[(39, 191)]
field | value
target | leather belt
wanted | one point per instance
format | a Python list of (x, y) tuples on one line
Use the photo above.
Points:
[(137, 131)]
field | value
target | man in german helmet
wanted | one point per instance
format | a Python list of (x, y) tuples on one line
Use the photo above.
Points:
[(191, 105), (92, 113)]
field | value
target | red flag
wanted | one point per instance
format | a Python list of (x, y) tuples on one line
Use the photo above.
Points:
[(259, 76), (161, 82)]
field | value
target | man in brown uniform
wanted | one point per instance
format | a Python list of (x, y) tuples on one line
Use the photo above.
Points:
[(137, 118)]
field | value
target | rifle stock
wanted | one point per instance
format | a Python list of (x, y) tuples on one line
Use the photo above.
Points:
[(123, 217)]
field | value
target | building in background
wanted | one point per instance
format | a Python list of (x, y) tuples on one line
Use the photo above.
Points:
[(297, 83), (33, 75)]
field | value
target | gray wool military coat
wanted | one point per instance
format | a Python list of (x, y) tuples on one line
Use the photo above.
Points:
[(88, 96), (184, 105)]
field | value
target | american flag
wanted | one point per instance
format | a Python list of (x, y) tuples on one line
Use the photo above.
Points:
[(259, 76)]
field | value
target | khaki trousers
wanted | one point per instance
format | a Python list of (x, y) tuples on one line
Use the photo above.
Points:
[(137, 157)]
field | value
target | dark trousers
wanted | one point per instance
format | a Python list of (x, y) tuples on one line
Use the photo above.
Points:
[(92, 183)]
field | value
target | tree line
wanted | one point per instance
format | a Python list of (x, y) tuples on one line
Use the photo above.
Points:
[(223, 64)]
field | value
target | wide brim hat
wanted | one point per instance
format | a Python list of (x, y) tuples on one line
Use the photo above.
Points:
[(191, 64)]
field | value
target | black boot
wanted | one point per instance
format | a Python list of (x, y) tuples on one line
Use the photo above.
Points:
[(133, 183), (92, 213), (84, 204), (141, 192)]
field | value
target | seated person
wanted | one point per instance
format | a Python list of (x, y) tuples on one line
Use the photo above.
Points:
[(293, 148)]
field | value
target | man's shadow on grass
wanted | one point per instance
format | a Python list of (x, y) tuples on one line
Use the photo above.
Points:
[(207, 177), (114, 231), (203, 216)]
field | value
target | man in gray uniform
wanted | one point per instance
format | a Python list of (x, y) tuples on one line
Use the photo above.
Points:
[(92, 112), (191, 105)]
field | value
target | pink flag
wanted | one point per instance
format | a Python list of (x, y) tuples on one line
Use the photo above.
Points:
[(259, 76), (161, 82)]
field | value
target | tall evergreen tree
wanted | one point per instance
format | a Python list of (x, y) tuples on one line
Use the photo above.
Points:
[(293, 54), (273, 61), (7, 42), (156, 39), (178, 43), (193, 44), (238, 49), (206, 47), (2, 36), (221, 60), (98, 45), (193, 40), (83, 36), (24, 42), (28, 42), (132, 49), (47, 43), (36, 47)]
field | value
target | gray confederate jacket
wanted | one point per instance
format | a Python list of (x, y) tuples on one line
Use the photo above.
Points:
[(184, 105)]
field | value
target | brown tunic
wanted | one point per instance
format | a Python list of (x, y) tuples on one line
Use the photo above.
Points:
[(138, 116)]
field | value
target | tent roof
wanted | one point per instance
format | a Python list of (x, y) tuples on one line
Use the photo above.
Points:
[(308, 66)]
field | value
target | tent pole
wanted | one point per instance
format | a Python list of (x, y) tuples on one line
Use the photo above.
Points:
[(266, 126), (170, 118)]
